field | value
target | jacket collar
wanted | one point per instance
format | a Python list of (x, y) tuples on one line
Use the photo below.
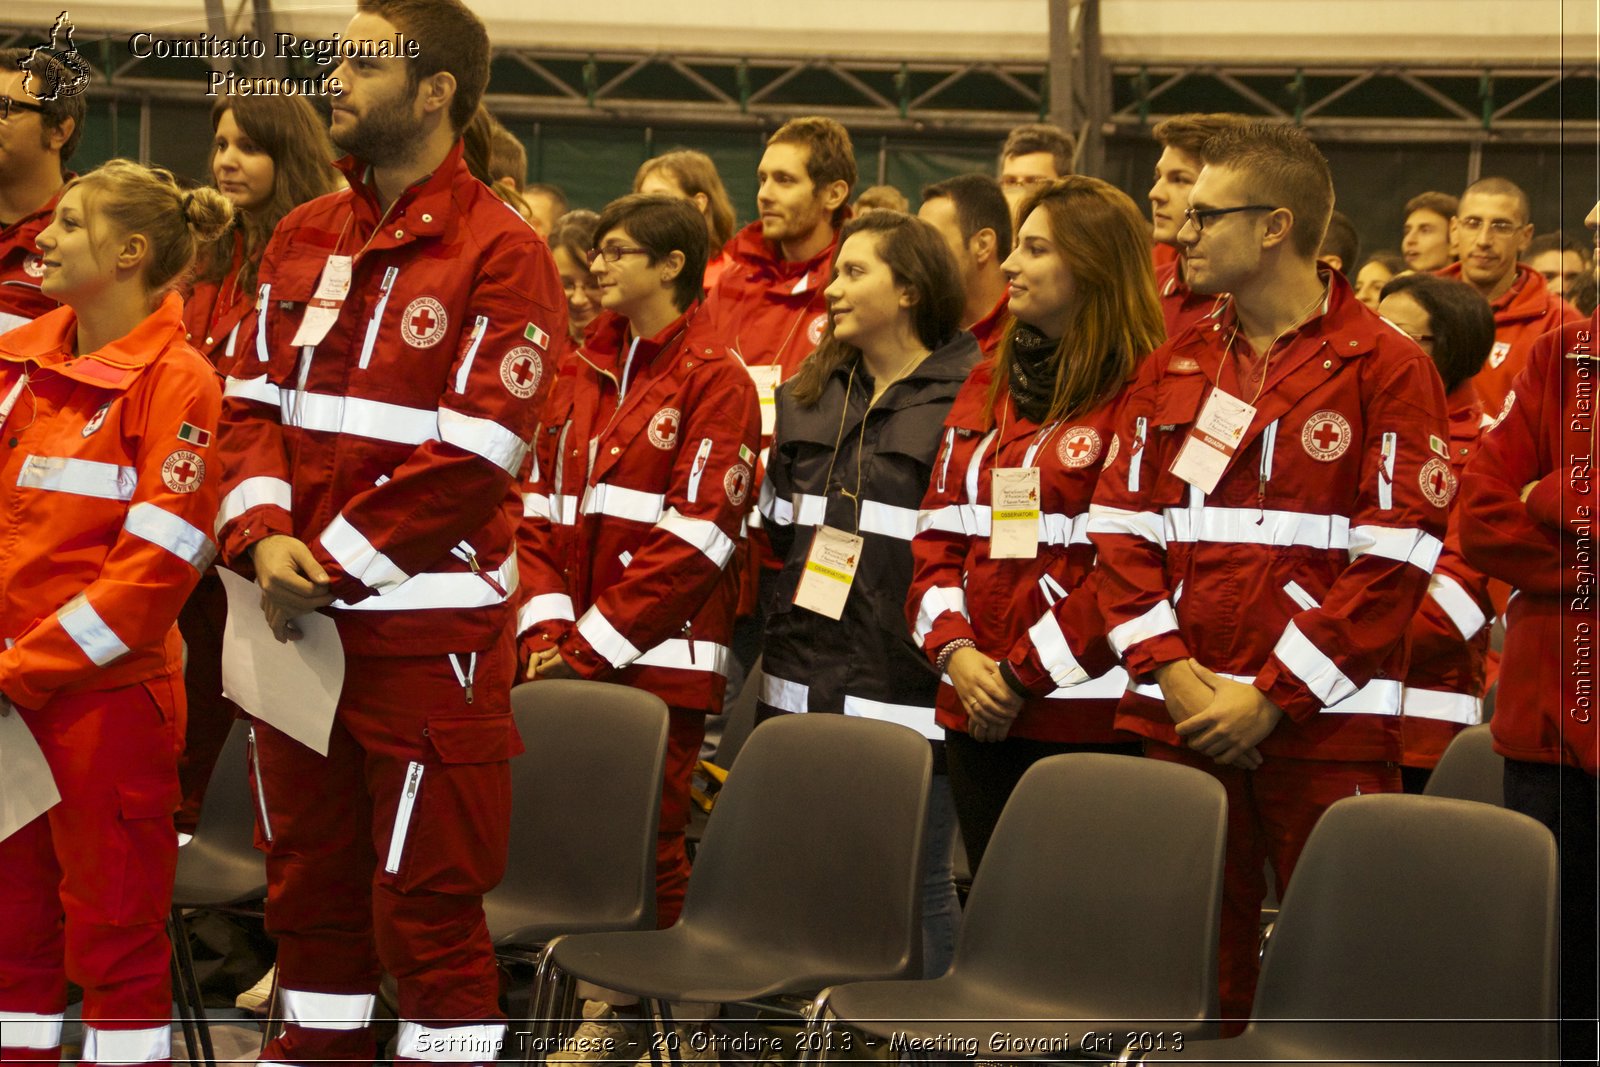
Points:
[(48, 339), (765, 266), (1528, 298), (989, 329), (939, 375), (422, 210)]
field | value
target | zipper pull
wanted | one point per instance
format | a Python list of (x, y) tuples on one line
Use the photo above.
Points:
[(688, 634)]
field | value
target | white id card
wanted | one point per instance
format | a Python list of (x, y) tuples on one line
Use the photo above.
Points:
[(1213, 440), (323, 310), (767, 379), (1014, 507), (830, 571)]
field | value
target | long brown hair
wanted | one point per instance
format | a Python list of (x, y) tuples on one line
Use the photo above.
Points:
[(694, 172), (919, 260), (1115, 319)]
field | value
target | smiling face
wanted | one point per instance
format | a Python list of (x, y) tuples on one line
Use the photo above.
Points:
[(868, 308), (376, 117), (1040, 290), (242, 170), (632, 284), (792, 208), (78, 251), (1490, 233), (1176, 171)]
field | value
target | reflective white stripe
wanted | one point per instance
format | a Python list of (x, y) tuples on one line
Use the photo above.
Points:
[(24, 1029), (166, 530), (1381, 696), (1462, 708), (1254, 526), (918, 719), (1051, 590), (888, 520), (454, 1044), (769, 507), (543, 608), (1141, 426), (1054, 652), (351, 550), (252, 493), (1145, 524), (683, 655), (1405, 546), (127, 1046), (233, 339), (464, 372), (535, 506), (703, 534), (1298, 594), (975, 464), (1386, 472), (809, 509), (935, 602), (1158, 620), (789, 696), (1269, 440), (361, 418), (81, 477), (949, 453), (84, 625), (622, 503), (1458, 604), (483, 437), (402, 817), (455, 590), (1109, 686), (1063, 530), (262, 304), (258, 389), (327, 1011), (371, 339), (1308, 663), (948, 519), (697, 469), (606, 639)]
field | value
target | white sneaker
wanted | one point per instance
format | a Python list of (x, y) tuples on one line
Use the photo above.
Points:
[(257, 997), (603, 1036)]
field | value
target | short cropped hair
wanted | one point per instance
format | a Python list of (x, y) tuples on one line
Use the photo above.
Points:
[(1189, 133), (1041, 137), (662, 225), (450, 38), (1497, 186), (830, 156), (979, 204), (65, 106), (1281, 167), (1459, 318), (1343, 241)]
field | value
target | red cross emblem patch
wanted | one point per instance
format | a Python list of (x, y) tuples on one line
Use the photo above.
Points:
[(183, 471), (1111, 453), (520, 371), (663, 428), (1325, 436), (33, 267), (1438, 482), (737, 484), (1079, 446), (424, 322), (815, 330)]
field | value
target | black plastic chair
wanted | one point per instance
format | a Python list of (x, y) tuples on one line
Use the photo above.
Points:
[(1470, 769), (809, 875), (586, 804), (1415, 929), (1095, 910)]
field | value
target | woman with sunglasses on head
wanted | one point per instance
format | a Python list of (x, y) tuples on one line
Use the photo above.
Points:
[(857, 437), (1003, 602), (106, 414)]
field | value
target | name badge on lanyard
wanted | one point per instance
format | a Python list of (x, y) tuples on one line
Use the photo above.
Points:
[(323, 310), (1213, 440), (1014, 507), (829, 572)]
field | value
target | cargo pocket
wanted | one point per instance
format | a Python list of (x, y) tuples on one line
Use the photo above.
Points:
[(142, 861)]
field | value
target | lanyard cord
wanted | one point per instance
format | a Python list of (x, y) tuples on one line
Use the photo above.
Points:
[(1266, 364), (861, 441), (1040, 437)]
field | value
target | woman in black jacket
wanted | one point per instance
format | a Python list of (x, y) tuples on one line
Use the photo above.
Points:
[(859, 430)]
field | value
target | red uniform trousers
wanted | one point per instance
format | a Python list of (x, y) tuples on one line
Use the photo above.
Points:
[(86, 887), (686, 728), (1271, 811), (379, 856), (211, 715)]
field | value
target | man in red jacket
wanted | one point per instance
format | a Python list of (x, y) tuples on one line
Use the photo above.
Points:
[(373, 433), (1181, 138), (1490, 230), (971, 214), (1528, 516), (1269, 521)]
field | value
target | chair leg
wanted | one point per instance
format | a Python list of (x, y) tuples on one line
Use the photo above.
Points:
[(272, 1026), (179, 935), (185, 1012)]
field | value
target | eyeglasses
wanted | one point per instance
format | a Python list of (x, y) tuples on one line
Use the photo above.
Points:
[(1498, 227), (1197, 217), (1012, 181), (612, 253), (7, 104)]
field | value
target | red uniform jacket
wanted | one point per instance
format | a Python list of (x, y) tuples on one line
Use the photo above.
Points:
[(1039, 614), (1545, 708), (1444, 682), (108, 492), (1521, 314), (21, 299), (1301, 571), (1181, 306), (215, 311), (390, 448), (643, 473)]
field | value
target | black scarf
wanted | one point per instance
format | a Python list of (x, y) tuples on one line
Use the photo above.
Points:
[(1033, 372)]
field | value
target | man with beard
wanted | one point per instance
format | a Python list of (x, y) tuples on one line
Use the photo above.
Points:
[(401, 339)]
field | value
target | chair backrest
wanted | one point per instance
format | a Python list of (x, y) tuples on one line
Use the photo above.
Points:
[(1470, 769), (221, 864), (739, 719), (1103, 880), (1407, 908), (586, 802), (815, 847)]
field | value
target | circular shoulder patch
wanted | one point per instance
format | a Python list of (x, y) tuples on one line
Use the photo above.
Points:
[(663, 430), (520, 371), (183, 471), (424, 322), (1438, 482), (814, 332), (1111, 453), (33, 267), (1079, 446), (1325, 436), (737, 484)]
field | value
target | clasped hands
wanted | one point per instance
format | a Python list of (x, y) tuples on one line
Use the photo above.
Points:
[(989, 702), (292, 583), (1219, 717)]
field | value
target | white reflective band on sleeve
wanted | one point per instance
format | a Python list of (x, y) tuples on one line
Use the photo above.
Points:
[(1415, 547), (888, 520), (402, 816), (464, 372), (622, 503), (935, 602), (127, 1046), (703, 534), (535, 506), (1054, 652), (785, 695), (1458, 604), (1462, 708), (453, 1044), (1381, 696), (1141, 426), (483, 437), (84, 625), (918, 719), (258, 389), (543, 608), (351, 550), (679, 654), (233, 339), (166, 530), (606, 639), (24, 1029), (697, 470), (372, 419), (373, 323), (1254, 526), (1062, 530), (81, 477), (809, 509), (1143, 524), (1160, 619), (769, 507), (975, 464), (252, 493), (1109, 686), (454, 590), (1298, 594), (1308, 663), (262, 304), (327, 1011)]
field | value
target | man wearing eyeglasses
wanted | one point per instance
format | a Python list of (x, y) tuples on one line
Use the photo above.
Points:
[(1490, 232), (1267, 526), (1033, 155), (36, 140)]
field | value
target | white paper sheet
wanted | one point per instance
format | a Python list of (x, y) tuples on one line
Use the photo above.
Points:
[(293, 686), (27, 788)]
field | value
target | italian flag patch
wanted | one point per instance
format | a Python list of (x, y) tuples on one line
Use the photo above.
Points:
[(194, 435), (537, 336)]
